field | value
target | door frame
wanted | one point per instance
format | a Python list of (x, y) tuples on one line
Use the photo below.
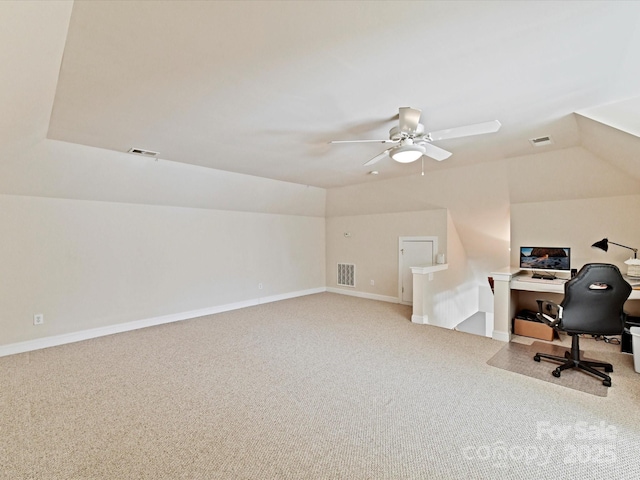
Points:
[(400, 265)]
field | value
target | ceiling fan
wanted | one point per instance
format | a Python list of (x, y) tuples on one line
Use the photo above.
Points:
[(411, 142)]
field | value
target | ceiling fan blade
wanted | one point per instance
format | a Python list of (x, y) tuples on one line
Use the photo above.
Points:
[(434, 152), (364, 141), (378, 157), (466, 131), (409, 119)]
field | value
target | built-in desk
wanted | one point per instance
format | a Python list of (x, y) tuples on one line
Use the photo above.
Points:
[(511, 293)]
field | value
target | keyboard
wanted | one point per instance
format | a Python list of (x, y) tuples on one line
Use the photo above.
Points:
[(555, 281)]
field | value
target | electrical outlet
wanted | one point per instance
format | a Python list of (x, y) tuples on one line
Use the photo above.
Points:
[(259, 286), (38, 319), (372, 283)]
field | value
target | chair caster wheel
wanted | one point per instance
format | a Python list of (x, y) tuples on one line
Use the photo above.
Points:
[(536, 358), (608, 369), (606, 383), (556, 373)]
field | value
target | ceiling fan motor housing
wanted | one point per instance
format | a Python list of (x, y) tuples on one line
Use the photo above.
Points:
[(396, 134)]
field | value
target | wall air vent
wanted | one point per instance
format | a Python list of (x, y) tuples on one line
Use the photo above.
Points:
[(346, 275), (143, 152), (541, 141)]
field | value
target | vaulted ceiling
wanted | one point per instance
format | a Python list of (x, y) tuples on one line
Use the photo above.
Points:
[(261, 87)]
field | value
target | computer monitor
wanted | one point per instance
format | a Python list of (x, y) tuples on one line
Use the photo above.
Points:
[(545, 259)]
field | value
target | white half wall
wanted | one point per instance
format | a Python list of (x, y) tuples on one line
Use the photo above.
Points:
[(372, 245), (455, 290)]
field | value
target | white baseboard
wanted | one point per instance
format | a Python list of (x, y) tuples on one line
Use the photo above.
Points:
[(55, 340), (370, 296), (502, 336), (285, 296), (421, 319)]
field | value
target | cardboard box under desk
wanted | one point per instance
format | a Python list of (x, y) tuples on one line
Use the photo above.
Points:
[(527, 328)]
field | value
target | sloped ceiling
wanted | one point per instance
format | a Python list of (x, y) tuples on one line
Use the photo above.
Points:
[(615, 146), (260, 88), (32, 35)]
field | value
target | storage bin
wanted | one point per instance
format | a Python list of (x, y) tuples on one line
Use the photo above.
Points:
[(635, 335), (527, 328), (526, 324)]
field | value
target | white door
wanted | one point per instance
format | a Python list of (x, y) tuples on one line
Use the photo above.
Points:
[(414, 252)]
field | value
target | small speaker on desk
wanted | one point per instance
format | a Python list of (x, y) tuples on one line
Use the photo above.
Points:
[(574, 272)]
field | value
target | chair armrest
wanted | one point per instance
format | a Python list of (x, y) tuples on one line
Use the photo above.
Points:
[(549, 312)]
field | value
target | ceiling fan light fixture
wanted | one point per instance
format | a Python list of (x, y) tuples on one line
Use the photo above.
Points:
[(412, 143), (407, 153)]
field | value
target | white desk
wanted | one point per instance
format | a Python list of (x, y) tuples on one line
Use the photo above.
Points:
[(508, 284)]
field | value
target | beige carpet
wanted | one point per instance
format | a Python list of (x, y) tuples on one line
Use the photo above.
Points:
[(518, 358), (319, 387)]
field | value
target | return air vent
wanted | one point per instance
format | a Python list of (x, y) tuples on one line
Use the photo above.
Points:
[(346, 275), (144, 153), (541, 141)]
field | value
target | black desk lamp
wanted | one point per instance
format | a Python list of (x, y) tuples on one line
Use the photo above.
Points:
[(604, 245)]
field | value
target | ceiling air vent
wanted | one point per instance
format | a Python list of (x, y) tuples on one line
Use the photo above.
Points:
[(541, 141), (144, 153)]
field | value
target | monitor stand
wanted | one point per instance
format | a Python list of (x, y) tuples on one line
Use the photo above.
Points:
[(543, 276)]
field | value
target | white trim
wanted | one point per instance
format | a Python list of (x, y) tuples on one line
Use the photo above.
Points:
[(501, 336), (286, 296), (54, 341), (435, 252), (421, 319), (505, 274), (429, 269), (370, 296)]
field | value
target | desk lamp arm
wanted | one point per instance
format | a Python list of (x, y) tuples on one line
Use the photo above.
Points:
[(635, 250)]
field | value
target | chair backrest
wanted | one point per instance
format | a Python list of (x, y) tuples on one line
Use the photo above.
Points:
[(594, 301)]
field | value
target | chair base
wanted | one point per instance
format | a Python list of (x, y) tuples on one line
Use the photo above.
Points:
[(572, 360)]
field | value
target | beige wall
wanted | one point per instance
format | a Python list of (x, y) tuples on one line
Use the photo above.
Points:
[(476, 197), (578, 224), (562, 197), (574, 199), (373, 246), (57, 169), (87, 264), (476, 222), (568, 174), (117, 250), (95, 238)]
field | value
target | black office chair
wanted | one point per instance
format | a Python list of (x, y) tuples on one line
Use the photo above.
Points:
[(593, 305)]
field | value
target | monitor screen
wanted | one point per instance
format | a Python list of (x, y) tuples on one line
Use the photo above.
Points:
[(545, 258)]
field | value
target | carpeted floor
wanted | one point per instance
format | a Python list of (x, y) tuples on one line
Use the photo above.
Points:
[(319, 387)]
